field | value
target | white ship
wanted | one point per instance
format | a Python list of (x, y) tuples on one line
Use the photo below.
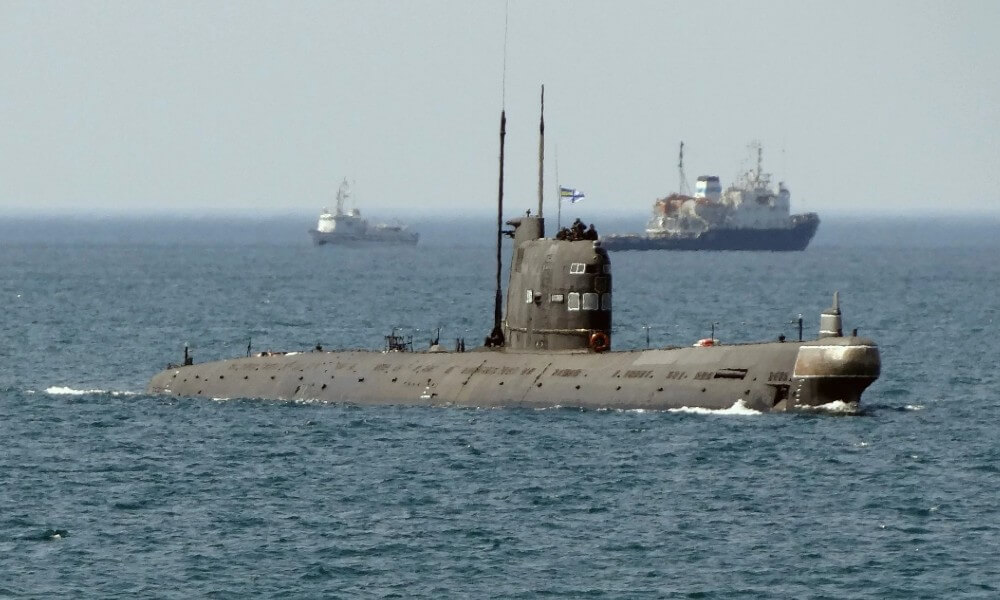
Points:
[(348, 227)]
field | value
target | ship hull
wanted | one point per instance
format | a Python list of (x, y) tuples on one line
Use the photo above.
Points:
[(792, 238), (764, 377), (321, 238)]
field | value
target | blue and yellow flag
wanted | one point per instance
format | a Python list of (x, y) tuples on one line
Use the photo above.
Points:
[(573, 195)]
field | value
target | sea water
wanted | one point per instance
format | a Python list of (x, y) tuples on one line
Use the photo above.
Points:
[(106, 492)]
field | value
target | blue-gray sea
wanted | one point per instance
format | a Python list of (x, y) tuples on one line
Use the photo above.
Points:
[(107, 492)]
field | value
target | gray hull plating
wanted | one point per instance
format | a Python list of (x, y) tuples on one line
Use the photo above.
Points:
[(767, 376)]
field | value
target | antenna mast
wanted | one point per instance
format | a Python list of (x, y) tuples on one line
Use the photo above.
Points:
[(342, 195), (558, 193), (496, 336), (541, 151), (682, 188)]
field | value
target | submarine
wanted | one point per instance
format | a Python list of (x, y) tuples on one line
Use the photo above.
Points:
[(552, 347)]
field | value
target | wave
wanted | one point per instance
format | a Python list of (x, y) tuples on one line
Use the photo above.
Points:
[(837, 407), (738, 408), (58, 390), (47, 534)]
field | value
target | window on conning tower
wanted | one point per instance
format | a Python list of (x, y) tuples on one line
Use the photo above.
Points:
[(573, 301)]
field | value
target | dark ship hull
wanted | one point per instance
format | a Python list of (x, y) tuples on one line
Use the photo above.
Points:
[(763, 377), (796, 237)]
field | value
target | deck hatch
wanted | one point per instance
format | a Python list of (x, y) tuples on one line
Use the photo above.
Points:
[(730, 374)]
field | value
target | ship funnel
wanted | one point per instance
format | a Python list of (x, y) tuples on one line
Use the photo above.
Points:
[(830, 323)]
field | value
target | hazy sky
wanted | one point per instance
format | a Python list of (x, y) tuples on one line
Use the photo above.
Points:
[(258, 108)]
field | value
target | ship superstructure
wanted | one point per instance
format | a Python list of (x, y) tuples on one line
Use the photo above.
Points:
[(749, 215), (346, 226)]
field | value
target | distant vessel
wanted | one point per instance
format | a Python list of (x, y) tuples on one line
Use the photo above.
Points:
[(349, 228), (750, 215)]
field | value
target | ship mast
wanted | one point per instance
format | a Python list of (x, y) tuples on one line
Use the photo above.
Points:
[(541, 152), (342, 194), (682, 187), (496, 337)]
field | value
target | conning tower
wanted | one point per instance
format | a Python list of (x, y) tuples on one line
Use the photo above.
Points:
[(558, 293)]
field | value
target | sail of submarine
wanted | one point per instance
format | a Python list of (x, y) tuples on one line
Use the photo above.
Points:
[(552, 348)]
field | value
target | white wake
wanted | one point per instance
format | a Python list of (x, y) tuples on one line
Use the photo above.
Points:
[(738, 408), (58, 390)]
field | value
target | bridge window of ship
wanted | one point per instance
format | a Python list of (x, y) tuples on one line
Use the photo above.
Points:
[(605, 301), (590, 301), (573, 301), (527, 296), (558, 298), (577, 268)]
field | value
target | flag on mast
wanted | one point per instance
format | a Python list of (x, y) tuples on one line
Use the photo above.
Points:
[(571, 194)]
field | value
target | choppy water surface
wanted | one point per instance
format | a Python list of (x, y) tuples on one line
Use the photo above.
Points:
[(109, 493)]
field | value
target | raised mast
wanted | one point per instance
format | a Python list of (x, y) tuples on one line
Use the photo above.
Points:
[(558, 194), (342, 194), (496, 337), (541, 153), (682, 186)]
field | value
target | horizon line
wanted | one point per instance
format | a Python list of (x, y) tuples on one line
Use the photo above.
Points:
[(91, 216)]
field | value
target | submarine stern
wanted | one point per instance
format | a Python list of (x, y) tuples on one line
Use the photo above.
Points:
[(834, 369)]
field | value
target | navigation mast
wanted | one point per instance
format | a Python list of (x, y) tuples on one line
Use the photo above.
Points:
[(682, 187), (343, 192), (541, 152), (496, 337)]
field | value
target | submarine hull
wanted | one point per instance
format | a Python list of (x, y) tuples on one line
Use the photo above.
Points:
[(766, 376)]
